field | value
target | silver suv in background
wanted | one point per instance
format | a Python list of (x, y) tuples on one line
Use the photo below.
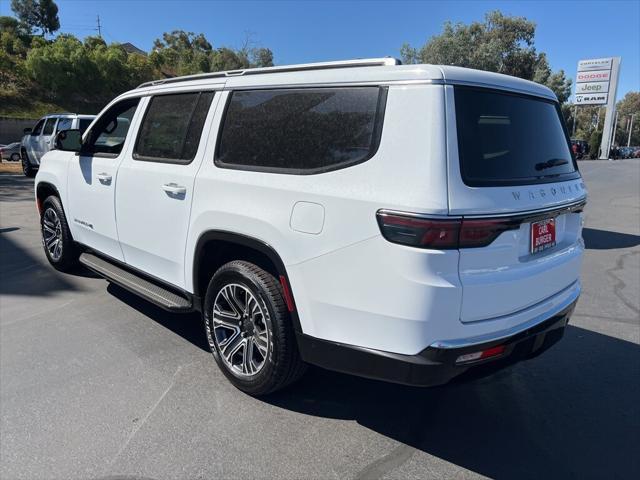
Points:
[(39, 140)]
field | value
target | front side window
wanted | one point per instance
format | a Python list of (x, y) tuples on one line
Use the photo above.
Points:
[(64, 124), (83, 123), (37, 129), (172, 126), (301, 131), (509, 139), (49, 126), (110, 131)]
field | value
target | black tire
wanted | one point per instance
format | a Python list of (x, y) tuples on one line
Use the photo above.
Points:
[(27, 169), (68, 253), (15, 157), (282, 364)]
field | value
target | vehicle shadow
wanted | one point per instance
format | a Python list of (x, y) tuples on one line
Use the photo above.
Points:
[(571, 413), (22, 273), (187, 325), (596, 239), (16, 189)]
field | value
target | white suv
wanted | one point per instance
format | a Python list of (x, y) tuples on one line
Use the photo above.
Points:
[(39, 140), (405, 223)]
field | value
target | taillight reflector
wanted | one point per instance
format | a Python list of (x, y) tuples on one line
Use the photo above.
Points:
[(481, 355)]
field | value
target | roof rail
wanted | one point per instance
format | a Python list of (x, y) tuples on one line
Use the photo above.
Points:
[(365, 62)]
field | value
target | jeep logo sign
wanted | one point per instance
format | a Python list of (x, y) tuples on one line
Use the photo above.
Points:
[(592, 87)]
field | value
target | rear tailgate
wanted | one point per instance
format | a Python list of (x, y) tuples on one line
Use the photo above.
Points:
[(509, 159)]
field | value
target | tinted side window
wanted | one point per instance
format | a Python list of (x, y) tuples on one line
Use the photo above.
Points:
[(172, 127), (301, 131), (64, 124), (48, 127), (109, 133), (83, 123), (37, 129)]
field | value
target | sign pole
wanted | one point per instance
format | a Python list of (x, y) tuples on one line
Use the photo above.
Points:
[(609, 117), (630, 130)]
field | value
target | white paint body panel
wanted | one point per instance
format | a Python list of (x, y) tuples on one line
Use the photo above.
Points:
[(350, 285)]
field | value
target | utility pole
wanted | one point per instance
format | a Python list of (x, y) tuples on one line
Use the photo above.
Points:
[(630, 130), (99, 28)]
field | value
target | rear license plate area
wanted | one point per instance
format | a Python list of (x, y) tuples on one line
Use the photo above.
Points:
[(543, 235)]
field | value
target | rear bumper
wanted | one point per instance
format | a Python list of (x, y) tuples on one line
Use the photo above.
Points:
[(436, 364)]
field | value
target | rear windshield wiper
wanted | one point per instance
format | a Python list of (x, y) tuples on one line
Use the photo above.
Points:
[(554, 162)]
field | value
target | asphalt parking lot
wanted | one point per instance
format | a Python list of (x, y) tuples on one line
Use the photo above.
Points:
[(97, 384)]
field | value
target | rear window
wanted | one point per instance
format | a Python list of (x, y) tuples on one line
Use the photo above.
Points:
[(509, 139), (301, 131)]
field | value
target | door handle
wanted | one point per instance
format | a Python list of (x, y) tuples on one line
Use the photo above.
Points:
[(174, 189), (104, 178)]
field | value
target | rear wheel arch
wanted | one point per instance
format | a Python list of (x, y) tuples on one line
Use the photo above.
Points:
[(216, 248), (44, 190)]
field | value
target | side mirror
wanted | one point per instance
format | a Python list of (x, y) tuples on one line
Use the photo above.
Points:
[(68, 141), (27, 131)]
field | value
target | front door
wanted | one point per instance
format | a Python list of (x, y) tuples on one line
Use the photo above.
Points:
[(45, 142), (92, 179), (156, 180), (32, 142)]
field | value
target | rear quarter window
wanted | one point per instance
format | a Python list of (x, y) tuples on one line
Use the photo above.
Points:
[(510, 139), (301, 131)]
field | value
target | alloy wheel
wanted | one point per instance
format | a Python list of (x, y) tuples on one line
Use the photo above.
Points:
[(52, 233), (240, 330)]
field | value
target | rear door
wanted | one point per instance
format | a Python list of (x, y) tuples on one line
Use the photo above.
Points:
[(156, 180), (511, 169)]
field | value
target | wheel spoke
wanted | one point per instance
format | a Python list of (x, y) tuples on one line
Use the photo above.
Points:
[(51, 241), (225, 318), (248, 356), (262, 345), (49, 229), (231, 346)]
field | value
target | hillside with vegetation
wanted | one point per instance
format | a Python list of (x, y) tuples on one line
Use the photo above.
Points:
[(40, 75)]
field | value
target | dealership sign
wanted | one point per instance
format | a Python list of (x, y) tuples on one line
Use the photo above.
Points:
[(595, 64), (592, 99), (592, 81), (596, 84), (594, 76), (592, 87)]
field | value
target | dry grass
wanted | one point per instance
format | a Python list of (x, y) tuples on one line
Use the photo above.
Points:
[(10, 167)]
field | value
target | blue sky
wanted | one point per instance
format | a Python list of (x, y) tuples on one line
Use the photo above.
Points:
[(306, 31)]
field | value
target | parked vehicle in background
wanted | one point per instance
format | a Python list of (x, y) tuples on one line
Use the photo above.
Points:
[(400, 222), (580, 148), (10, 152), (627, 152), (39, 140)]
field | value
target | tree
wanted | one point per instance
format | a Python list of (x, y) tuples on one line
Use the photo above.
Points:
[(185, 53), (502, 44), (38, 14), (629, 105)]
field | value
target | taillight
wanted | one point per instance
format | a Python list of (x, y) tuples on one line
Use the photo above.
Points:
[(439, 233), (418, 231)]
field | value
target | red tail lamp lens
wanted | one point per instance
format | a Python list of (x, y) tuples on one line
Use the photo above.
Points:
[(442, 233), (419, 232)]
